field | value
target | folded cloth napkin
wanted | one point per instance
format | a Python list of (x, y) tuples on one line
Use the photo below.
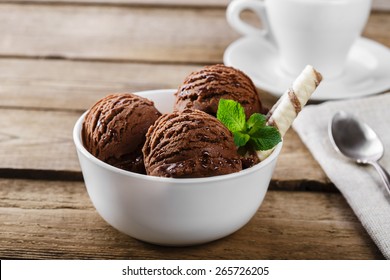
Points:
[(360, 185)]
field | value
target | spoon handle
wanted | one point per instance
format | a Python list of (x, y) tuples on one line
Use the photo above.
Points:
[(383, 174)]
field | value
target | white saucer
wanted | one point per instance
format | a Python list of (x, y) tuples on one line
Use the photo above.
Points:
[(367, 71)]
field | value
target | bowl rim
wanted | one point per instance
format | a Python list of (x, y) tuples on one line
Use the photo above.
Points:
[(80, 148)]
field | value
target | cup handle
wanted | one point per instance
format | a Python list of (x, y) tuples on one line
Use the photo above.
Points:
[(236, 7)]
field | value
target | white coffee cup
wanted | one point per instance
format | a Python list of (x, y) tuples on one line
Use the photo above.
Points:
[(316, 32)]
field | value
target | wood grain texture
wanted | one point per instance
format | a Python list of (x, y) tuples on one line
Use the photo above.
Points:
[(174, 34), (52, 219), (181, 3), (114, 33), (378, 27), (56, 84), (383, 5), (37, 140)]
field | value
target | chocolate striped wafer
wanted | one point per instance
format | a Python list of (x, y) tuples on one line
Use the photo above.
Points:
[(287, 108)]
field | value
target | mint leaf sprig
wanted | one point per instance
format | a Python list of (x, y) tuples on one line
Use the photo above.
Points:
[(251, 134)]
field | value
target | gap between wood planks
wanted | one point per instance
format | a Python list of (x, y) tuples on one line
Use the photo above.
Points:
[(107, 60), (377, 5), (190, 4), (74, 176)]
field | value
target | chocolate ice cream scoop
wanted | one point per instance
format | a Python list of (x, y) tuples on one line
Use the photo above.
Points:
[(203, 89), (190, 144), (114, 130)]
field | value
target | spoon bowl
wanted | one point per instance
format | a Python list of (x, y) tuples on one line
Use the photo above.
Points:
[(356, 140)]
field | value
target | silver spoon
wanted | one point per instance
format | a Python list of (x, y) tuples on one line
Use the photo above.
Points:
[(356, 140)]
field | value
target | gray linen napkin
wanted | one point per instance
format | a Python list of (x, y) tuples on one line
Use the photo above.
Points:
[(360, 185)]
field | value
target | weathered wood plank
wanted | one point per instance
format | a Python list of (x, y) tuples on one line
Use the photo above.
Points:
[(36, 140), (51, 219), (377, 28), (376, 4), (174, 34), (307, 174), (185, 3), (114, 33), (56, 84), (379, 5)]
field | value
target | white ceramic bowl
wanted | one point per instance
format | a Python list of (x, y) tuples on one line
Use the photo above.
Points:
[(172, 211)]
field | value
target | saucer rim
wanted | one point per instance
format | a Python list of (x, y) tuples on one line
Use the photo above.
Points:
[(277, 92)]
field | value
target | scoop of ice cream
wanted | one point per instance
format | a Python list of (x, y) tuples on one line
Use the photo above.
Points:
[(114, 130), (190, 144), (203, 89), (249, 159)]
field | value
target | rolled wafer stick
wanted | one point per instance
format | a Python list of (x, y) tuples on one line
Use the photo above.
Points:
[(287, 108)]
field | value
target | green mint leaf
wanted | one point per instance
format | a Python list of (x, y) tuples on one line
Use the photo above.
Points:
[(240, 139), (256, 120), (231, 114), (251, 134), (265, 138)]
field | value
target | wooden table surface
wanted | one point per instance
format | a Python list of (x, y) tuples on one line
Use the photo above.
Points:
[(57, 57)]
